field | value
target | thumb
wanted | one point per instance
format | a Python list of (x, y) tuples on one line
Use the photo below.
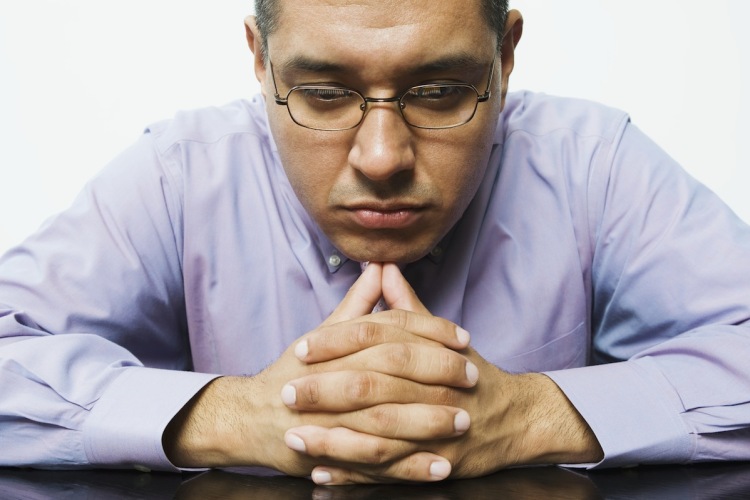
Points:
[(361, 297), (398, 293)]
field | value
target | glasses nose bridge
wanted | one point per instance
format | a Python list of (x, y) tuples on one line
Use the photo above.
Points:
[(368, 100), (379, 100)]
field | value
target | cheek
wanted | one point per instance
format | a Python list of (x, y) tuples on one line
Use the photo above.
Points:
[(476, 155), (458, 168), (312, 162)]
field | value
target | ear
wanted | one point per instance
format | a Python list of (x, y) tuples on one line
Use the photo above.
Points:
[(511, 37), (254, 41)]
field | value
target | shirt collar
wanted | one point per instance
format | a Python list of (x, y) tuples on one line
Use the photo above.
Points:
[(335, 259)]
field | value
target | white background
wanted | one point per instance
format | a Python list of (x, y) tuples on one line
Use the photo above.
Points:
[(79, 79)]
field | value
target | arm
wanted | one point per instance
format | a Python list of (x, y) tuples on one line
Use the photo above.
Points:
[(94, 351), (83, 310), (671, 276)]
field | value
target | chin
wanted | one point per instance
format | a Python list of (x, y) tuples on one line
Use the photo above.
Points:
[(384, 252)]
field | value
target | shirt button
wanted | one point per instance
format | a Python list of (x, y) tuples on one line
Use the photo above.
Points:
[(436, 252), (334, 260)]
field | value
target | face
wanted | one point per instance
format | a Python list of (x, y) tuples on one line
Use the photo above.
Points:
[(383, 191)]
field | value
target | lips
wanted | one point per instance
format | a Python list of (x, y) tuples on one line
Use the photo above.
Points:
[(382, 216)]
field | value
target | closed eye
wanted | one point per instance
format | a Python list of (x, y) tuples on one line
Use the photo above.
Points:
[(436, 91), (326, 93)]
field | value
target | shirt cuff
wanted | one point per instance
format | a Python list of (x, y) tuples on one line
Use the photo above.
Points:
[(633, 411), (126, 425)]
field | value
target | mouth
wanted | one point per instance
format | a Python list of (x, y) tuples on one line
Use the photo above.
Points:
[(385, 215)]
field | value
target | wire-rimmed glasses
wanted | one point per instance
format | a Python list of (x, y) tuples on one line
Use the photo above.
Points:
[(429, 106)]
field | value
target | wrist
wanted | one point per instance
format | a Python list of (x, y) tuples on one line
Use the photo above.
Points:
[(205, 432), (555, 431)]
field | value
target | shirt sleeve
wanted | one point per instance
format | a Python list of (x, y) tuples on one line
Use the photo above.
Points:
[(671, 315), (94, 351)]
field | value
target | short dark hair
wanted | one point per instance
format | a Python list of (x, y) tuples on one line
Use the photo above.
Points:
[(267, 18)]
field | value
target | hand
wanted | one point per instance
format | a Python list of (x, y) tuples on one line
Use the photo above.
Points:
[(241, 420), (515, 419)]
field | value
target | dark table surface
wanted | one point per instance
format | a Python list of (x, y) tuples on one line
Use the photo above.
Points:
[(728, 480)]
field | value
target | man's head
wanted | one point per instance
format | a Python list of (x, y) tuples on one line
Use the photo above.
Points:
[(383, 190), (267, 15)]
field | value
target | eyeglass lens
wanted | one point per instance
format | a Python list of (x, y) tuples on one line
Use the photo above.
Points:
[(426, 106)]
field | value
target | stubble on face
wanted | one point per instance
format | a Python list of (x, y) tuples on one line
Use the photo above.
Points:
[(377, 47)]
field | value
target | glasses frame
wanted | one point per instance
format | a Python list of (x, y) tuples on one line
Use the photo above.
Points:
[(284, 101)]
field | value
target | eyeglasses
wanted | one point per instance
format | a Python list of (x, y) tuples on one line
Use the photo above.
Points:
[(430, 106)]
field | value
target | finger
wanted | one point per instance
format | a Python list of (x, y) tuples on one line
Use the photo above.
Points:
[(413, 422), (398, 293), (420, 466), (426, 364), (335, 341), (348, 391), (361, 374), (345, 445), (361, 297), (353, 390)]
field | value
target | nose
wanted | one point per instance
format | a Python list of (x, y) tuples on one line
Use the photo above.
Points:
[(382, 144)]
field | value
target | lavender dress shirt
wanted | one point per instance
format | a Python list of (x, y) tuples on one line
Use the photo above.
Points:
[(587, 254)]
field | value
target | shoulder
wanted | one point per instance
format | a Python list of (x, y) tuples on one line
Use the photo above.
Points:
[(538, 114), (564, 141), (212, 124)]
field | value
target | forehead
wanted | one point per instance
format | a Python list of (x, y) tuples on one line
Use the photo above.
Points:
[(386, 34)]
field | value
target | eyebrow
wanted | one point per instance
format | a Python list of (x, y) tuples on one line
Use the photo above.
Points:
[(460, 60)]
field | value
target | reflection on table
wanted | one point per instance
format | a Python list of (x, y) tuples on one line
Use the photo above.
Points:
[(730, 480)]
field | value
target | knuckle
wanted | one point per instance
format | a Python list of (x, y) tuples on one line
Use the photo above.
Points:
[(311, 393), (366, 334), (385, 420), (435, 422), (399, 356), (399, 318), (408, 468), (449, 364), (360, 388), (378, 453), (325, 447), (445, 396)]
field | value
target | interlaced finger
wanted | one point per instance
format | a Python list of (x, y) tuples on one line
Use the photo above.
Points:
[(334, 341), (420, 466), (355, 389)]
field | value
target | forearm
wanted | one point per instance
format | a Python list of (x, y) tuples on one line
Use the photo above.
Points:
[(651, 410), (218, 427), (82, 401), (236, 422), (554, 430)]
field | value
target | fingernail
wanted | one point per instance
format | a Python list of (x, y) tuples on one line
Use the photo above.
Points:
[(461, 421), (472, 372), (295, 442), (440, 470), (321, 477), (301, 349), (462, 336), (289, 395)]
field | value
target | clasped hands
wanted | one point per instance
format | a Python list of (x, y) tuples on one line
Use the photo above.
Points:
[(379, 397), (393, 396), (393, 379)]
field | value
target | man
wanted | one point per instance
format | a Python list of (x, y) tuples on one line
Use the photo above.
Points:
[(552, 230)]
